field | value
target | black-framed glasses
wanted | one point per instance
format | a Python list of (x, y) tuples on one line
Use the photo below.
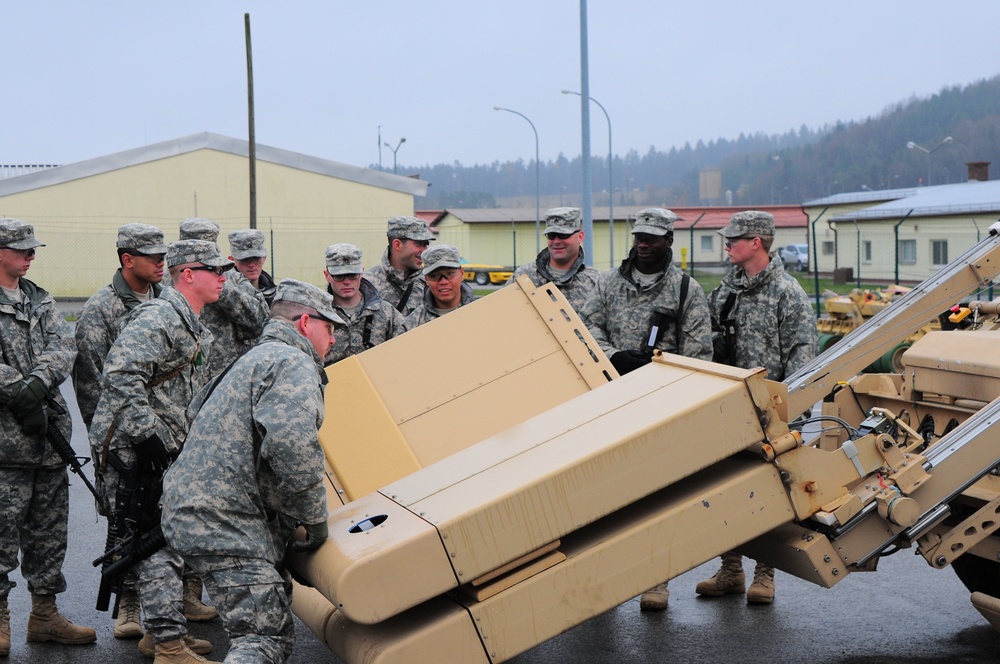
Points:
[(218, 270), (345, 277), (330, 326), (559, 236), (27, 253)]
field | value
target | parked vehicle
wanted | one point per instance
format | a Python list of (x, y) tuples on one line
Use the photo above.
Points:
[(795, 257), (483, 275)]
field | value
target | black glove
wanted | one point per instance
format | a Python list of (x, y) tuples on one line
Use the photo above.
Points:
[(28, 406), (316, 534), (629, 360), (151, 455)]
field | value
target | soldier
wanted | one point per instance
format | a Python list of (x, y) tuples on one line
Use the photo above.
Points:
[(37, 355), (397, 277), (761, 317), (446, 289), (249, 254), (235, 321), (151, 374), (370, 319), (562, 262), (252, 470), (140, 255), (647, 290)]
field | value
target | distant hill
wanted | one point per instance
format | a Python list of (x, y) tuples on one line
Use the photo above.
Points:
[(758, 169)]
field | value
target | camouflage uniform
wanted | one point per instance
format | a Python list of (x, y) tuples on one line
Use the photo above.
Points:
[(252, 468), (441, 256), (579, 281), (235, 321), (374, 322), (619, 311), (34, 489), (393, 284), (576, 285), (400, 289), (775, 322), (151, 374)]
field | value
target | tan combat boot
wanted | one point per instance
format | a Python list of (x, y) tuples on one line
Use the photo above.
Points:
[(199, 646), (45, 623), (129, 622), (729, 578), (4, 628), (654, 599), (194, 609), (176, 652), (762, 589)]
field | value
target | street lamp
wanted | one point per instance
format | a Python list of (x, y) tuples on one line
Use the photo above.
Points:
[(394, 151), (912, 145), (611, 187), (538, 217)]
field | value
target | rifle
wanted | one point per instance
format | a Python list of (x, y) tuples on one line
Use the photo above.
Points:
[(63, 448), (134, 532)]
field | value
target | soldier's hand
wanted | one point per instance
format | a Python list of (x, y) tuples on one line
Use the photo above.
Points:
[(29, 398), (625, 361), (36, 422), (152, 455), (316, 534)]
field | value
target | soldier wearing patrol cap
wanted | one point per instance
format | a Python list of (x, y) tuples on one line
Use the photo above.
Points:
[(151, 374), (252, 469), (446, 288), (37, 355), (370, 319), (561, 262), (141, 253), (397, 277), (247, 250), (761, 317)]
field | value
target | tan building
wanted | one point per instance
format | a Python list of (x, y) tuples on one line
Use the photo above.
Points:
[(903, 235), (506, 236), (304, 203)]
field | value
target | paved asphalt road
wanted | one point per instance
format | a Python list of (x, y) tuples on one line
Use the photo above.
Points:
[(904, 613)]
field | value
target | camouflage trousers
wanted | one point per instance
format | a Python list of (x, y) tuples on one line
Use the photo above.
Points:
[(253, 599), (34, 516)]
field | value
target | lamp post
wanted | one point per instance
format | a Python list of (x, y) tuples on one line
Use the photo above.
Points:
[(611, 180), (394, 151), (912, 146), (538, 217)]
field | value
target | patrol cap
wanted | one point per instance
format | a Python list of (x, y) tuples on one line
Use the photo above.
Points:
[(343, 258), (247, 243), (183, 252), (442, 255), (17, 234), (197, 228), (564, 220), (141, 239), (654, 221), (408, 228), (749, 222), (299, 292)]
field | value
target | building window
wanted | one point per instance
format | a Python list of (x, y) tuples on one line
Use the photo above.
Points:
[(939, 252), (707, 243), (907, 252), (828, 247), (866, 251)]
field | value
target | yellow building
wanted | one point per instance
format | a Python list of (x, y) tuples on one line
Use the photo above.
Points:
[(304, 203)]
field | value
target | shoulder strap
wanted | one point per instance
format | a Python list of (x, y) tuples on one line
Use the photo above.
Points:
[(727, 306), (685, 282), (406, 296)]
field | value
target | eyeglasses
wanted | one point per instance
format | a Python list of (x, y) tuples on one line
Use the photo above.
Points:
[(208, 268), (27, 253), (730, 241), (152, 258), (251, 260), (345, 277), (420, 243), (559, 236), (438, 275), (330, 327)]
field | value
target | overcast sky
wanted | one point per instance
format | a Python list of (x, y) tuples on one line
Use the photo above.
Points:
[(84, 79)]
